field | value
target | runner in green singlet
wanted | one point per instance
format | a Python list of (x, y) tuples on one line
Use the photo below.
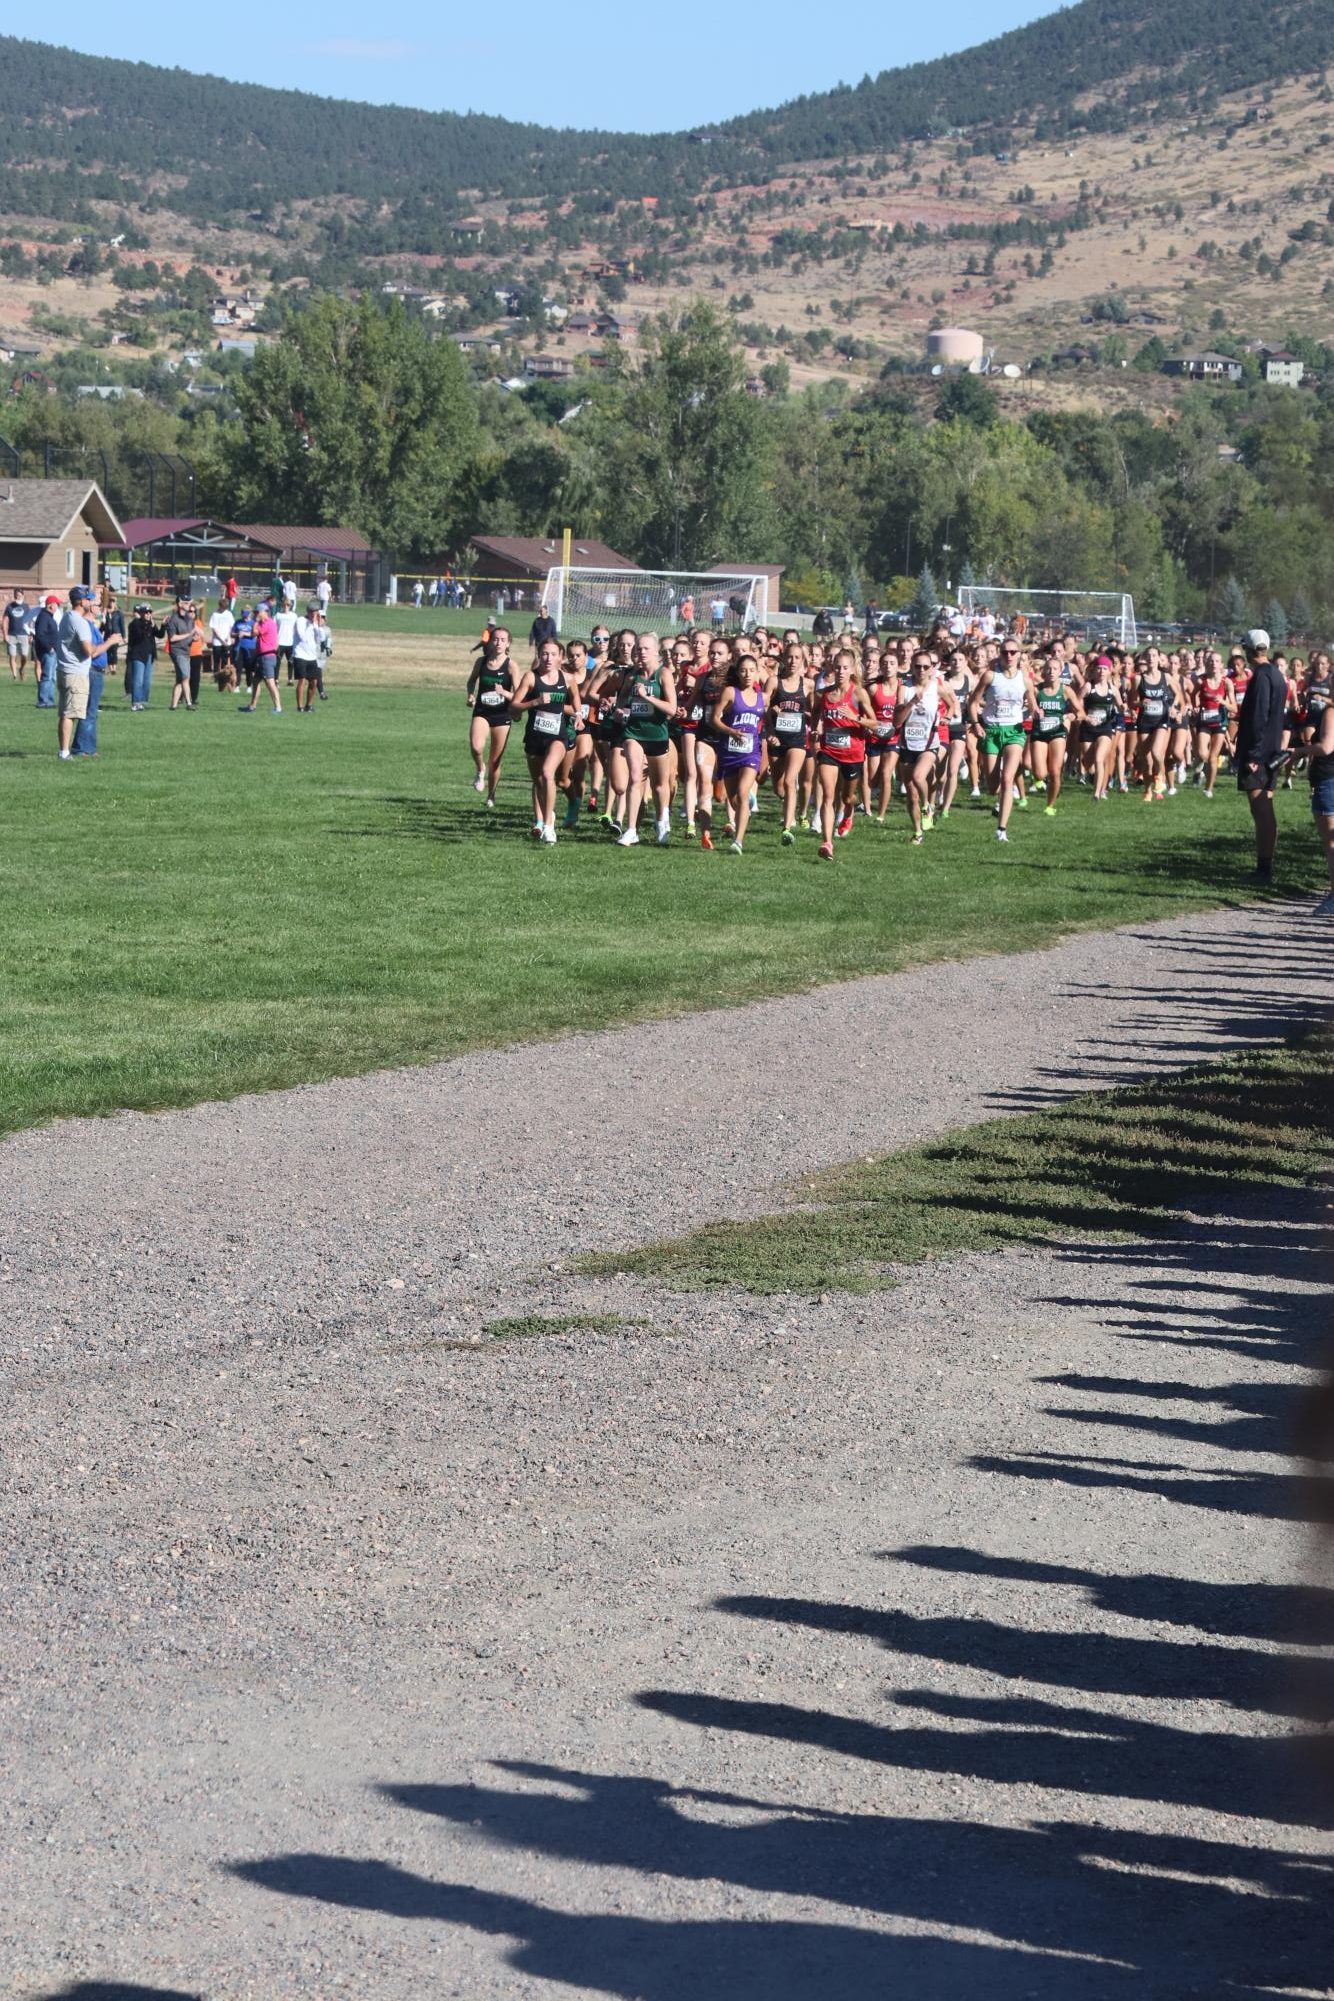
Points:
[(652, 703)]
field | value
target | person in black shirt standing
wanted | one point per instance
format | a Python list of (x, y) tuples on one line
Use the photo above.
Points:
[(1260, 747), (542, 629)]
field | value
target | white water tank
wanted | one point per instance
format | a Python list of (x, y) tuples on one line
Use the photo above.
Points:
[(954, 345)]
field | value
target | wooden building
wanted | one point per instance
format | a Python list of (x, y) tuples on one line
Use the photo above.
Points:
[(50, 533)]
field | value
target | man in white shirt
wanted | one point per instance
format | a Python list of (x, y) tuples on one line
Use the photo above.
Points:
[(307, 647), (324, 591), (286, 623), (220, 629)]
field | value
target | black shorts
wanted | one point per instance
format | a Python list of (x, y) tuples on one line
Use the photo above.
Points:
[(1261, 777), (850, 766), (306, 670), (1146, 726), (779, 746), (1049, 736), (1214, 728), (499, 719)]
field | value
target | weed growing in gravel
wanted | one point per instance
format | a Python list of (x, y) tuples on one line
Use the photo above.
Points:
[(1098, 1166), (528, 1326)]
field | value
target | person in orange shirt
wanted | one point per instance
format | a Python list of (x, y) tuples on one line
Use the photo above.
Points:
[(199, 646)]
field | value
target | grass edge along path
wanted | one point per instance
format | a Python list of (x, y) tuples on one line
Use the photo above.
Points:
[(1099, 1165)]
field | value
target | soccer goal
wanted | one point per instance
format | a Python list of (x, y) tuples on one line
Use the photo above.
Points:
[(1094, 615), (661, 601)]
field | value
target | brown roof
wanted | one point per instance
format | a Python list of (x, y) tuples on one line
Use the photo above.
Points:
[(538, 554), (44, 510)]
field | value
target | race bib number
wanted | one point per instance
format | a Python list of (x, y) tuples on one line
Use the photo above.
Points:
[(789, 723), (838, 739), (546, 722), (641, 710), (493, 699)]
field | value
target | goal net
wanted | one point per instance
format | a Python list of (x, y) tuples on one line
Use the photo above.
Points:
[(1093, 615), (655, 600)]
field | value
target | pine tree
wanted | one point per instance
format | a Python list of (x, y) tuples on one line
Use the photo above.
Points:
[(967, 576), (1303, 618), (1233, 610), (926, 599), (1276, 623)]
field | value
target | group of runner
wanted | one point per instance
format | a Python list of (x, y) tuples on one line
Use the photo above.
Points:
[(704, 721)]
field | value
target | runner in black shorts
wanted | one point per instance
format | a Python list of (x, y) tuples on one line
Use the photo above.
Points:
[(490, 689)]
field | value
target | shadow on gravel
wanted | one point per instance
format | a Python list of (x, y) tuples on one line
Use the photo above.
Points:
[(118, 1990), (1071, 1909)]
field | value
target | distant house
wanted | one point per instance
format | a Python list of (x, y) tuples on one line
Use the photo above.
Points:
[(240, 345), (547, 367), (107, 392), (50, 532), (526, 559), (1281, 367), (581, 323), (15, 350), (475, 343), (1205, 367), (470, 229)]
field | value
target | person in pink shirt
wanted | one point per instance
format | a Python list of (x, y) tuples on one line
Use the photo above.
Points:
[(266, 653)]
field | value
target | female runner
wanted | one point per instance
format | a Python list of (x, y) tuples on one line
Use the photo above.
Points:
[(609, 705), (490, 691), (709, 742), (1157, 694), (789, 711), (1055, 702), (960, 684), (1214, 712), (1003, 697), (547, 695), (883, 743), (842, 716), (739, 715), (918, 716), (578, 736), (652, 700), (1102, 720)]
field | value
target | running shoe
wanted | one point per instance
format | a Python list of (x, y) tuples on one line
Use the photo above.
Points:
[(1171, 792), (491, 801), (1001, 834), (479, 783), (629, 839), (664, 832), (789, 838), (919, 840), (1019, 799), (1209, 793), (928, 822), (976, 792), (826, 851), (549, 837), (735, 848), (1049, 812), (690, 830), (844, 827), (706, 842), (607, 822), (1039, 784)]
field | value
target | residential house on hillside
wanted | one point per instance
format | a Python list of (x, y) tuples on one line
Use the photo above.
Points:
[(50, 532), (1207, 367), (1278, 366), (547, 367)]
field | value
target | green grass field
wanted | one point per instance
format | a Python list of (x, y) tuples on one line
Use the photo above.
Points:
[(223, 903), (1110, 1164)]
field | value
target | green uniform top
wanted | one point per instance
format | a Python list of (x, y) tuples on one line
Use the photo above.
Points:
[(545, 723), (1051, 711), (647, 725)]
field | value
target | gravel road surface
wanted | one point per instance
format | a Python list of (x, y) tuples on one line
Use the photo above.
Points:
[(943, 1642)]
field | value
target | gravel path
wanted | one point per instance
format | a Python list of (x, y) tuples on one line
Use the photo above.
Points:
[(921, 1644)]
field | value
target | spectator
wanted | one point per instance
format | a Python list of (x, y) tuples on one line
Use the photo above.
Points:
[(718, 613), (113, 631), (266, 650), (870, 621), (306, 650), (229, 592), (198, 648), (243, 646), (1259, 756), (823, 627), (289, 593), (220, 629), (141, 652), (542, 629), (18, 623), (180, 630), (84, 741), (74, 656), (286, 623), (323, 592), (46, 642), (417, 595)]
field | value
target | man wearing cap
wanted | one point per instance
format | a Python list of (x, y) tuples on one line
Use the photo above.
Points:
[(46, 646), (1259, 746), (180, 632), (75, 650), (17, 622)]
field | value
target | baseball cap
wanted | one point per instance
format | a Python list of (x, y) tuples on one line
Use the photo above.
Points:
[(52, 599), (1257, 639), (79, 595)]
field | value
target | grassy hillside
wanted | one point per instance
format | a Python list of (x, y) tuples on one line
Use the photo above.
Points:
[(231, 146)]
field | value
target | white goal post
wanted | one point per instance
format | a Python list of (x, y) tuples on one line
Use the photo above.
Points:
[(1106, 615), (661, 601)]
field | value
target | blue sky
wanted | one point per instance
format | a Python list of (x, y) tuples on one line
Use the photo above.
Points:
[(627, 68)]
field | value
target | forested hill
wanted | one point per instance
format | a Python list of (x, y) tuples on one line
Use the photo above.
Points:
[(99, 127)]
